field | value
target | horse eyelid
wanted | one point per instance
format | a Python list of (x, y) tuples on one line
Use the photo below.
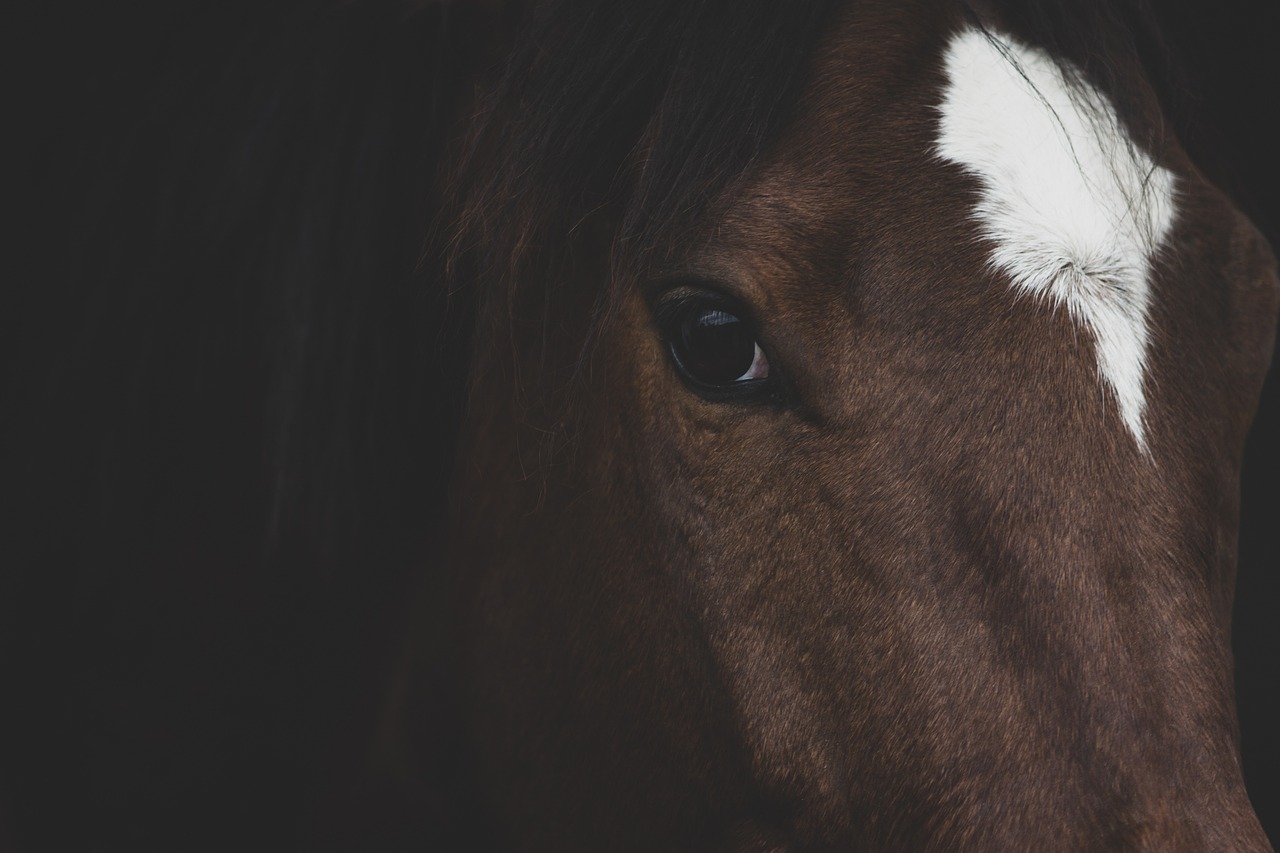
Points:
[(667, 311)]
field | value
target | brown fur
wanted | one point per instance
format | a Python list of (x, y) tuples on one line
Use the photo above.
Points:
[(938, 602)]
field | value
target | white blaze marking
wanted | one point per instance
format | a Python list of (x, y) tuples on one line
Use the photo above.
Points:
[(1073, 210)]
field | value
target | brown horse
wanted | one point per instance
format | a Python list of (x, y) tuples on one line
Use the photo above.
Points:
[(806, 426), (852, 446)]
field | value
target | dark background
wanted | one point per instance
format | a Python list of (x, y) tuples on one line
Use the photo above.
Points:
[(184, 690), (1229, 51)]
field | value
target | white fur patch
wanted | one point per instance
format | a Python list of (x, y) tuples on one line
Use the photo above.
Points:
[(1075, 213)]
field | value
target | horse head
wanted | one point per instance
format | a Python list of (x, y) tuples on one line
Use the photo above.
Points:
[(853, 437)]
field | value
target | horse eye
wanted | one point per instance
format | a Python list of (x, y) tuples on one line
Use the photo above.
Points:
[(713, 345)]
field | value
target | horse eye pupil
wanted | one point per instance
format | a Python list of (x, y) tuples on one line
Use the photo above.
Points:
[(715, 346)]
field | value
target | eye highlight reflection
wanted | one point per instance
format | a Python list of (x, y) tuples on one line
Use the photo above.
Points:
[(717, 347)]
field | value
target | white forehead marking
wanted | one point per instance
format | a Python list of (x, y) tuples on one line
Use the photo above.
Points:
[(1073, 210)]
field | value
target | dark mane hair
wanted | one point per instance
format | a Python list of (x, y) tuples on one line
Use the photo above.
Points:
[(702, 88), (233, 372), (630, 115)]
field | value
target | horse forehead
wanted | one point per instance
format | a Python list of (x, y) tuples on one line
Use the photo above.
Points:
[(1062, 204), (1073, 211)]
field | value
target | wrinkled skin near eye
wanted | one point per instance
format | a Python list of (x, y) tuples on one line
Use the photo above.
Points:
[(714, 346)]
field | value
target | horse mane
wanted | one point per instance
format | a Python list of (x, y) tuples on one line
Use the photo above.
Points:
[(614, 125), (693, 92)]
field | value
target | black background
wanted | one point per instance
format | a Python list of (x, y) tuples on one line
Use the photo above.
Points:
[(1229, 49)]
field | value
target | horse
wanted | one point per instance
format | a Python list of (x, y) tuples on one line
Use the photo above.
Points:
[(763, 427)]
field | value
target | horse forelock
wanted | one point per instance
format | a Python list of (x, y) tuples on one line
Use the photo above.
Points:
[(635, 113)]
